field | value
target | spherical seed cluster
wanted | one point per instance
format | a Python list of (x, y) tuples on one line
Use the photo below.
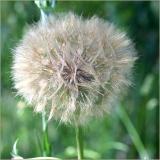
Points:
[(72, 68)]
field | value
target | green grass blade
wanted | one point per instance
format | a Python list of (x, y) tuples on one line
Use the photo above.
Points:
[(132, 132)]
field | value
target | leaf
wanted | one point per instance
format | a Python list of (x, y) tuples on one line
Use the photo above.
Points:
[(117, 146), (71, 152), (14, 152), (132, 132)]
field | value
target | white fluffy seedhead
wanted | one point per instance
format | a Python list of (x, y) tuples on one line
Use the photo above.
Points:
[(72, 68)]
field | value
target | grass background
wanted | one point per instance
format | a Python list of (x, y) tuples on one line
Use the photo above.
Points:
[(107, 138)]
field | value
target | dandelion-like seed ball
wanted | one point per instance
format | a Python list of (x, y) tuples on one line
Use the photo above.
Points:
[(72, 68)]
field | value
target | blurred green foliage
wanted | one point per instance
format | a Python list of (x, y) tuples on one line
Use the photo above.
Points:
[(107, 138)]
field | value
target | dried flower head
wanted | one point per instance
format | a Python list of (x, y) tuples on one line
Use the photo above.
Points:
[(72, 68)]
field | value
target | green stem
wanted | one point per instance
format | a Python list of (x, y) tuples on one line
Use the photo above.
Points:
[(79, 141), (46, 144), (46, 7)]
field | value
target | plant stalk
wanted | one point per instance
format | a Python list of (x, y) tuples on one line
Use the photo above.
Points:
[(79, 141), (45, 140), (46, 7)]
